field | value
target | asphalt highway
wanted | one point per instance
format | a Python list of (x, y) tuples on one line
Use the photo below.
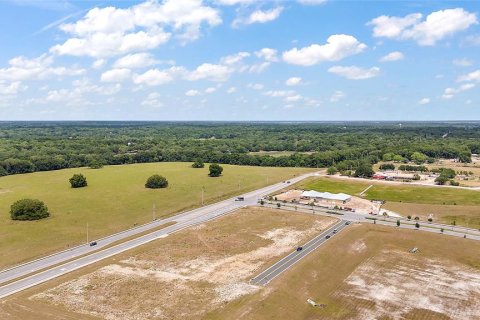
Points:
[(272, 272), (55, 265)]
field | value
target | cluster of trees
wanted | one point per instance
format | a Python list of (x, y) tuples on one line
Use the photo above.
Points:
[(37, 146), (387, 166), (445, 175), (407, 167), (29, 209)]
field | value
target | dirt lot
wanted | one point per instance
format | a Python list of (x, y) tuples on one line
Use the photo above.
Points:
[(360, 205), (368, 273), (185, 275)]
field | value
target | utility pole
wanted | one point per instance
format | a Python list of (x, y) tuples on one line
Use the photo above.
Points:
[(154, 207), (202, 194), (87, 232)]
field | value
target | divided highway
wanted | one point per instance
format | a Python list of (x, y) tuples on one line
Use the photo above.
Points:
[(55, 265), (268, 275)]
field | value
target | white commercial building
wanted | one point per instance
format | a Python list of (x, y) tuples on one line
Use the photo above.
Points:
[(336, 197)]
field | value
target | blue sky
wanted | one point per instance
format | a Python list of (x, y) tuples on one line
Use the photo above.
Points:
[(239, 60)]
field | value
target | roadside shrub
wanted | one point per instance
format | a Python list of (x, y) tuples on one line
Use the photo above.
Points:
[(441, 180), (417, 225), (407, 167), (28, 209), (156, 182), (78, 181), (454, 183), (331, 171), (387, 166), (215, 170)]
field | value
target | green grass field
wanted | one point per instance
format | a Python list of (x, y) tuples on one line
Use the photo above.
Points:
[(446, 204), (397, 193), (114, 200)]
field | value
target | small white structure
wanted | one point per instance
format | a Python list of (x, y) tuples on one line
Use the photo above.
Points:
[(336, 197)]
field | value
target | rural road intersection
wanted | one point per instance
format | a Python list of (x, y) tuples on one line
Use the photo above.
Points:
[(58, 264), (30, 274)]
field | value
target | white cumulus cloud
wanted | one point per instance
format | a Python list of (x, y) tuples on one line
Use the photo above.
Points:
[(472, 76), (115, 75), (392, 56), (192, 93), (293, 81), (267, 54), (152, 77), (111, 31), (337, 96), (338, 46), (355, 73), (436, 26), (134, 61), (424, 101)]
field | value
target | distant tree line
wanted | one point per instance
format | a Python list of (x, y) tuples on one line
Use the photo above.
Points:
[(42, 146)]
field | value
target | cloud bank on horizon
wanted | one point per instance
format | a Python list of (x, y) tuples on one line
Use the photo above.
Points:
[(240, 60)]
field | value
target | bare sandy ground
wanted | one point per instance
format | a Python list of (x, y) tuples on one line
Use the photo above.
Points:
[(395, 283), (176, 288)]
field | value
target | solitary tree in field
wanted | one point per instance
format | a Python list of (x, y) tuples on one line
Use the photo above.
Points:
[(198, 164), (78, 181), (409, 217), (278, 205), (156, 182), (28, 209), (215, 170)]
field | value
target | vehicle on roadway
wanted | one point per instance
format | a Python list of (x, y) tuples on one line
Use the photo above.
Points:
[(240, 199), (299, 248), (93, 243), (347, 223), (334, 231), (327, 237)]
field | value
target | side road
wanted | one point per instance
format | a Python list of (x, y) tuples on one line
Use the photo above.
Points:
[(87, 254)]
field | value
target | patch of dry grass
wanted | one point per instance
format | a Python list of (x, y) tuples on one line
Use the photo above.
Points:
[(183, 276), (462, 215), (366, 273)]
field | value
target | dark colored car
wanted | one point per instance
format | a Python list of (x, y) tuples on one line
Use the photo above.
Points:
[(327, 237), (299, 249), (93, 243), (347, 223)]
